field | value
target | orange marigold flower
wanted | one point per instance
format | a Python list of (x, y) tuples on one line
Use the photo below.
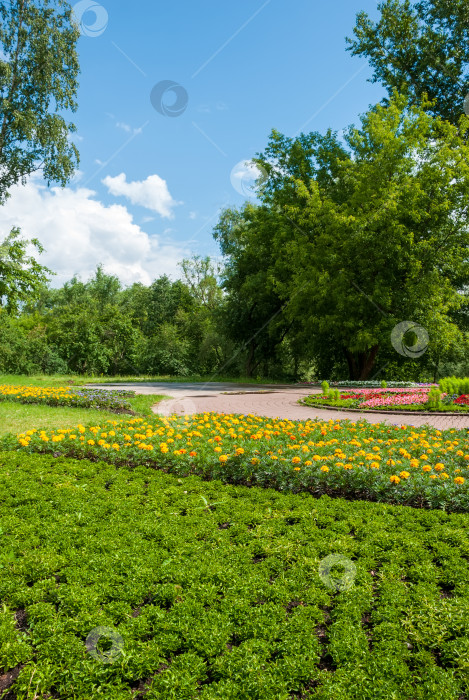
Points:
[(324, 469), (394, 479), (296, 469), (459, 480), (426, 468), (223, 458), (404, 475), (296, 460)]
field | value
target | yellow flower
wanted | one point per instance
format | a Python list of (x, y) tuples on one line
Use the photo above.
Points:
[(324, 469), (374, 465), (426, 468), (433, 476), (223, 458), (404, 475), (444, 475), (296, 469), (459, 480), (296, 460), (414, 463), (240, 451), (308, 463), (115, 446), (254, 460), (394, 479), (90, 442), (217, 449)]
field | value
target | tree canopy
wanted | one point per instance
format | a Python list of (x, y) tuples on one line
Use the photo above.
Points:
[(38, 83), (419, 48), (372, 235), (21, 276)]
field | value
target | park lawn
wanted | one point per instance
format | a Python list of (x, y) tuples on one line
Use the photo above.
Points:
[(79, 380), (17, 418), (215, 591)]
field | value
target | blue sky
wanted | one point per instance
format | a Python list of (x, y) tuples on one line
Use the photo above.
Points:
[(150, 186)]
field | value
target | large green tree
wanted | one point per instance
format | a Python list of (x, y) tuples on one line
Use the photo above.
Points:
[(380, 232), (418, 48), (38, 85)]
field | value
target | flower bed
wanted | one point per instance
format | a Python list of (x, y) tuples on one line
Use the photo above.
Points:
[(379, 462), (100, 399), (389, 399)]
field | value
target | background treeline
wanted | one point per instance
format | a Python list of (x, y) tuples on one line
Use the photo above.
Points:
[(187, 327)]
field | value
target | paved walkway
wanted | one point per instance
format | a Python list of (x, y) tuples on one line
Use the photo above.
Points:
[(271, 400)]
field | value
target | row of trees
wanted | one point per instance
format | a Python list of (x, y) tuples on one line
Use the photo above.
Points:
[(350, 236)]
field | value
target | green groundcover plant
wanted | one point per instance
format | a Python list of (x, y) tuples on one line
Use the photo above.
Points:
[(131, 583)]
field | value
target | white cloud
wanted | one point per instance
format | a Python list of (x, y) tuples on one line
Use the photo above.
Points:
[(125, 127), (129, 129), (78, 232), (151, 193)]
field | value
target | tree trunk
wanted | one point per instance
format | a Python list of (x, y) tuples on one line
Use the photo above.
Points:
[(360, 364), (250, 359)]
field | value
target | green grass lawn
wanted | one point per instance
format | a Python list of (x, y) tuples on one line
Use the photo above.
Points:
[(220, 592), (17, 417), (78, 380)]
